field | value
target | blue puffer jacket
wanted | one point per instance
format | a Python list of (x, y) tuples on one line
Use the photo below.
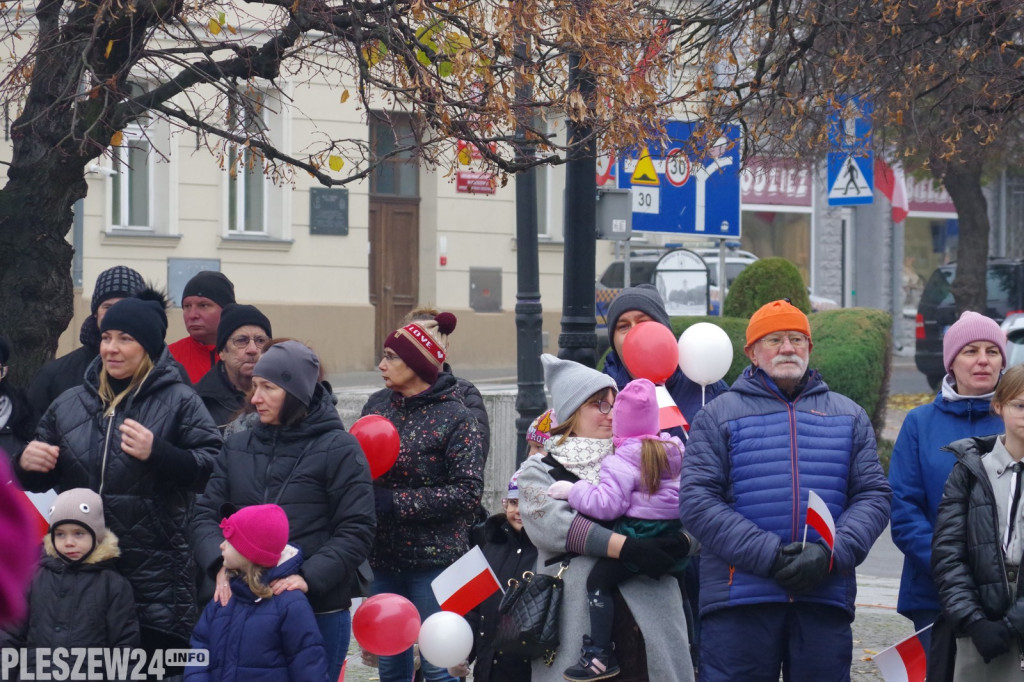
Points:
[(918, 472), (261, 640), (752, 457), (685, 393)]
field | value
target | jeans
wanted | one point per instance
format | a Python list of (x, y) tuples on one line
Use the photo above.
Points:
[(922, 619), (414, 586), (335, 628)]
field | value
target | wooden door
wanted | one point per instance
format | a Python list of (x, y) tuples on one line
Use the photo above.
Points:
[(394, 262)]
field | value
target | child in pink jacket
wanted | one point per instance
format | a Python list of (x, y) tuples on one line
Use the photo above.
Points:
[(638, 486)]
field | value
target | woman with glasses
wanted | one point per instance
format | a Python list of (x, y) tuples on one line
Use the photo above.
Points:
[(973, 351), (426, 502), (651, 604), (299, 457), (977, 549)]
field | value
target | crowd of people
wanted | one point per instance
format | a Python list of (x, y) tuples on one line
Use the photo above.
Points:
[(210, 496)]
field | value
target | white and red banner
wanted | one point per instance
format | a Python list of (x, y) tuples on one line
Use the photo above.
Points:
[(466, 583), (820, 519), (904, 661), (891, 182), (669, 414)]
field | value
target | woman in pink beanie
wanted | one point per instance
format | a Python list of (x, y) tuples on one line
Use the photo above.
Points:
[(261, 633), (974, 355)]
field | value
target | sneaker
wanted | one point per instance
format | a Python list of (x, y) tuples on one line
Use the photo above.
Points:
[(596, 663)]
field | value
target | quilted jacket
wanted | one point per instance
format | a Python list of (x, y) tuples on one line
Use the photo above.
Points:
[(917, 472), (148, 504), (261, 640), (437, 481), (752, 457), (318, 474)]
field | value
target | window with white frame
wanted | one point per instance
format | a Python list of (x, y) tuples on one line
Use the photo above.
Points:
[(131, 182), (255, 206), (550, 183)]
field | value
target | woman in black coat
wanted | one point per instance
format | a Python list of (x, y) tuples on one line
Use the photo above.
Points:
[(135, 434), (299, 457), (17, 419)]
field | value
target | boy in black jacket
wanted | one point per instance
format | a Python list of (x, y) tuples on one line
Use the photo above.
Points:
[(77, 599)]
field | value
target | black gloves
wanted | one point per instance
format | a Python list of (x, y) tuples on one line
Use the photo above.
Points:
[(647, 556), (801, 569), (676, 545), (1015, 617), (991, 637), (383, 501)]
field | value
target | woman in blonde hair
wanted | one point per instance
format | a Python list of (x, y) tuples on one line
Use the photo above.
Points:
[(142, 439)]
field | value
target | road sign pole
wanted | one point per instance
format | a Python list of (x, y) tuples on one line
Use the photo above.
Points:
[(723, 289)]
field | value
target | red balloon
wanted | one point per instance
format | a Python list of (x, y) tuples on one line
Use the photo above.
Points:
[(379, 439), (386, 624), (650, 352)]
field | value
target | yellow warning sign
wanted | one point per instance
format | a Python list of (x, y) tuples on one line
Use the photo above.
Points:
[(644, 173)]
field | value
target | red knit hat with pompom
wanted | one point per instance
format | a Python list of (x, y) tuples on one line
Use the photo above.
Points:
[(423, 345)]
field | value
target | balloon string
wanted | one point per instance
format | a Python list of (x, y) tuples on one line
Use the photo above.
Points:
[(703, 395)]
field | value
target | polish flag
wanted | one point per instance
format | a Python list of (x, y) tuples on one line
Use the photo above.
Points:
[(891, 182), (904, 661), (466, 583), (820, 519), (668, 412)]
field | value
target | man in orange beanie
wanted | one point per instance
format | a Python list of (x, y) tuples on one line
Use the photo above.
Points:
[(755, 455)]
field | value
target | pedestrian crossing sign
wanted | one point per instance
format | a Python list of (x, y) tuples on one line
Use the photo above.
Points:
[(850, 178)]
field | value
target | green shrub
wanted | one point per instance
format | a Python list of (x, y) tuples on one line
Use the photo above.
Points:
[(762, 281), (853, 352), (736, 328)]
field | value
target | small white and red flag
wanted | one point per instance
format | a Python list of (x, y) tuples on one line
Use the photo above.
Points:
[(669, 415), (904, 661), (891, 182), (820, 519), (466, 583)]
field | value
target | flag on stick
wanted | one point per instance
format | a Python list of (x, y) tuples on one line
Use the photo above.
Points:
[(466, 583), (669, 414), (820, 519), (904, 661), (891, 182)]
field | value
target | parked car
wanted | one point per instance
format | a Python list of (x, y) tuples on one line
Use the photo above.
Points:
[(1013, 325), (937, 311)]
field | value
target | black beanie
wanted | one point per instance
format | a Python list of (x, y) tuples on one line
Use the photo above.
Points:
[(119, 281), (642, 297), (144, 318), (237, 315), (212, 285)]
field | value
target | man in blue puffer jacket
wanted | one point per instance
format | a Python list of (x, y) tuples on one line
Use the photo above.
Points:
[(753, 456)]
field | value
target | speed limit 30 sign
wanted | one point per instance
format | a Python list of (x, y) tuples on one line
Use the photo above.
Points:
[(677, 167)]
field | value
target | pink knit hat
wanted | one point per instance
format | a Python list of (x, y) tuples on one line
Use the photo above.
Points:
[(971, 327), (259, 533), (636, 410)]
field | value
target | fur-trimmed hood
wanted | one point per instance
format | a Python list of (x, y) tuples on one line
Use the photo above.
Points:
[(107, 550)]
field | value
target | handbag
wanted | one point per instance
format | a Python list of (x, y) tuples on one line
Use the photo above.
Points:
[(528, 615)]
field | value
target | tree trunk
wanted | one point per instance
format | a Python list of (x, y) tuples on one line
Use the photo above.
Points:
[(963, 182), (35, 268)]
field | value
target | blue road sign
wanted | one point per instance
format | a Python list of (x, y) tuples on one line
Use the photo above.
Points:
[(674, 192), (851, 164)]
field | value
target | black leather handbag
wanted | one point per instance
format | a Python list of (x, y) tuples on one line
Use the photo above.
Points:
[(528, 615)]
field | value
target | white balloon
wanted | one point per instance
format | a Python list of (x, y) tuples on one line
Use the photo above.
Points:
[(705, 353), (445, 639)]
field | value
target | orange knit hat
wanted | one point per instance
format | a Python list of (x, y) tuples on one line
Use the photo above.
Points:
[(777, 316)]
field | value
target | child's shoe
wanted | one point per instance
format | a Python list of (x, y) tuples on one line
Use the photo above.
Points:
[(596, 663)]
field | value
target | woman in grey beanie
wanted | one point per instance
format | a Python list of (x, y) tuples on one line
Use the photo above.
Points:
[(583, 399), (298, 456)]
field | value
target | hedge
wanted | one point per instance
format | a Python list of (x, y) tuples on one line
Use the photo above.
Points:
[(768, 279), (852, 350)]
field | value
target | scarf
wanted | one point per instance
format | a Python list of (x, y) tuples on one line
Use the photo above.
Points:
[(582, 456)]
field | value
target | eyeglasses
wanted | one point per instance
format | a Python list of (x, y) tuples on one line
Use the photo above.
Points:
[(795, 340), (390, 357), (1016, 406), (3, 371), (241, 342), (510, 502), (603, 405)]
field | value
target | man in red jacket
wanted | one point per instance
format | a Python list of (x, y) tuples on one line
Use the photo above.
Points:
[(202, 300)]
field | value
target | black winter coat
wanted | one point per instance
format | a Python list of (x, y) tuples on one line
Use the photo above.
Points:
[(86, 604), (21, 425), (509, 553), (148, 504), (220, 397), (435, 484), (318, 474), (59, 375)]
